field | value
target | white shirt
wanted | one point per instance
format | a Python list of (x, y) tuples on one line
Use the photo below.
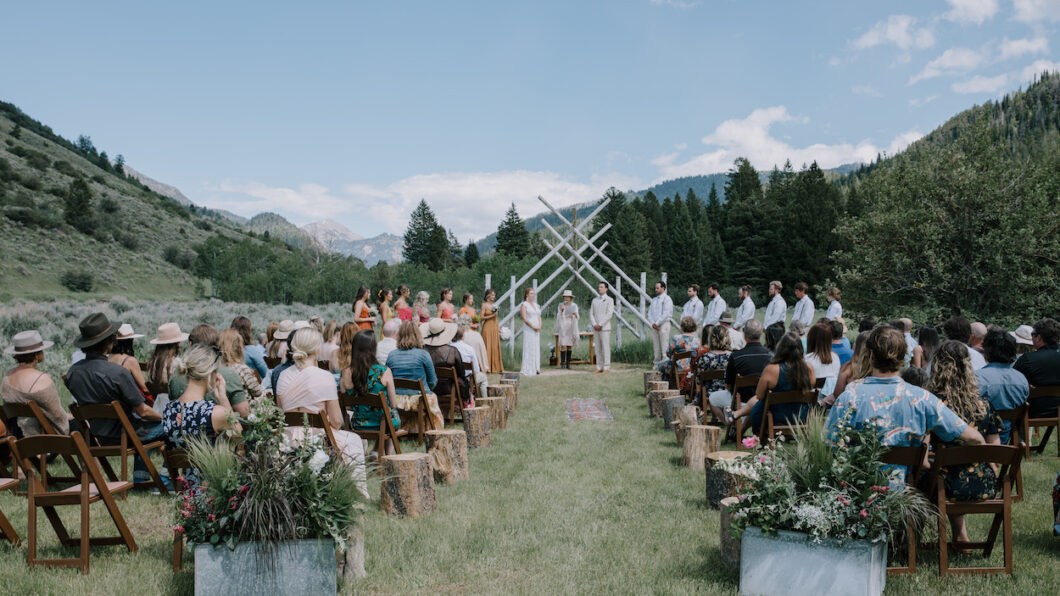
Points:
[(693, 308), (828, 372), (746, 313), (715, 309), (978, 361), (467, 354), (737, 339), (835, 310), (661, 309), (383, 349), (803, 311), (776, 310), (601, 311)]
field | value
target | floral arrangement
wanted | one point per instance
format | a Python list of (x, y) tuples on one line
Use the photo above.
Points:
[(838, 490), (506, 333), (263, 486)]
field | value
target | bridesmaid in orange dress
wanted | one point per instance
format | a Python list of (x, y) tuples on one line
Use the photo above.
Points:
[(446, 311), (362, 315), (401, 305), (468, 309), (383, 298), (491, 332)]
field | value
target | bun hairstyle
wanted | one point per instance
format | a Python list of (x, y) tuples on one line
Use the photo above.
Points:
[(402, 290), (444, 292), (199, 363), (305, 344)]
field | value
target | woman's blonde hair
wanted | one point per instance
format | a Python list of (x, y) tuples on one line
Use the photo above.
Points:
[(199, 363), (834, 293), (231, 345), (422, 298), (719, 338), (953, 380), (342, 355), (408, 336), (305, 345), (330, 330)]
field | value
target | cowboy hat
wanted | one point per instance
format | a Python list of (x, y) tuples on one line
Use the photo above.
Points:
[(169, 333), (286, 328), (727, 318), (27, 342), (437, 332), (95, 328), (126, 332), (1023, 335)]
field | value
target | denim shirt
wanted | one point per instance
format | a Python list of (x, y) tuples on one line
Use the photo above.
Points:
[(1005, 388), (414, 364)]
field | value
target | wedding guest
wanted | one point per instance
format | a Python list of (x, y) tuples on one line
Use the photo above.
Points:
[(1042, 366), (253, 353), (365, 376), (820, 356), (163, 362), (716, 357), (340, 357), (124, 355), (192, 415), (787, 371), (24, 383), (925, 348), (331, 341), (230, 344), (1003, 387), (686, 341), (389, 342)]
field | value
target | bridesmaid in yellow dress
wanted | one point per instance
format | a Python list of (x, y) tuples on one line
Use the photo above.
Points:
[(491, 332), (383, 298), (468, 309), (446, 311)]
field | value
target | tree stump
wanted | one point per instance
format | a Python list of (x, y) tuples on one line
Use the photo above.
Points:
[(408, 485), (448, 451), (515, 389), (511, 376), (730, 542), (351, 561), (686, 416), (655, 398), (498, 411), (722, 483), (668, 406), (650, 376), (477, 426), (700, 440), (506, 391)]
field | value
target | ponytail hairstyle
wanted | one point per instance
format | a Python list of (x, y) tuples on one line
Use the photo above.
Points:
[(305, 344), (200, 363), (381, 296)]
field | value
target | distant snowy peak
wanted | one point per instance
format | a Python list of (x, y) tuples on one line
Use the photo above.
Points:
[(338, 238), (331, 233)]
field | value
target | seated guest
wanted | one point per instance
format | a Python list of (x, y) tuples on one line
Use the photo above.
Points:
[(277, 347), (959, 329), (365, 376), (975, 341), (410, 361), (472, 369), (389, 342), (686, 341), (907, 414), (1024, 339), (474, 339), (94, 380), (854, 370), (331, 341), (749, 361), (928, 344), (915, 376), (288, 360), (787, 371), (124, 355), (253, 353), (192, 414), (305, 387), (230, 343), (954, 382), (821, 357), (24, 384), (866, 324), (773, 334), (163, 362), (1042, 366), (736, 337), (235, 394), (714, 356), (436, 335), (840, 344), (1000, 385), (340, 358)]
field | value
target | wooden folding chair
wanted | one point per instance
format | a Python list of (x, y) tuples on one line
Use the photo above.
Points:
[(423, 418), (324, 365), (93, 488), (453, 402), (1018, 431), (178, 464), (701, 380), (769, 427), (128, 444), (272, 362), (32, 410), (913, 460), (819, 383), (737, 403), (1008, 458), (675, 382), (7, 531), (386, 430), (1049, 423), (313, 420)]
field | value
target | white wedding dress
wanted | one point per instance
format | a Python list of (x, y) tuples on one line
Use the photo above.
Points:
[(531, 340)]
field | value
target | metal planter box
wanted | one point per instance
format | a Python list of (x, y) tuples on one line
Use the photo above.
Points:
[(790, 563), (296, 567)]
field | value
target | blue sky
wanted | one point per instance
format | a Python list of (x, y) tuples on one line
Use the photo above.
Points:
[(354, 111)]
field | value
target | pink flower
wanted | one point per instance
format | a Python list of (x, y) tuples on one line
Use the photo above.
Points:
[(863, 514), (211, 517), (880, 489), (750, 442), (843, 500), (244, 489), (179, 529)]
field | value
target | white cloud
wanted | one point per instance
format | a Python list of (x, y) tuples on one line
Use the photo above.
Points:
[(866, 91), (750, 137), (1031, 71), (971, 11), (1035, 11), (1014, 48), (898, 29), (919, 101), (952, 61), (981, 84), (308, 200)]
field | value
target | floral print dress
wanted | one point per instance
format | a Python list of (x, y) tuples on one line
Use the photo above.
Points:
[(366, 417), (679, 343), (180, 420)]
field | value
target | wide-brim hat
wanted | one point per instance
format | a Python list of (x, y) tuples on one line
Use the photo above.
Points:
[(126, 332), (286, 328), (169, 333), (28, 342), (95, 328), (301, 325), (568, 294), (727, 318), (437, 332), (1023, 335)]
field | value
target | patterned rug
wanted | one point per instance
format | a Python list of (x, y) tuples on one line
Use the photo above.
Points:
[(588, 409)]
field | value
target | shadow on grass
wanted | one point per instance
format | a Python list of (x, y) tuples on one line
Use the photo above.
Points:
[(704, 564)]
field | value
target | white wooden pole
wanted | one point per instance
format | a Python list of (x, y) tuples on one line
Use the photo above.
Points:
[(489, 278), (618, 310), (511, 309), (643, 294)]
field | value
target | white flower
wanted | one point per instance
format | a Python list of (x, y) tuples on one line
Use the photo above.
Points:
[(252, 418), (317, 462), (506, 333)]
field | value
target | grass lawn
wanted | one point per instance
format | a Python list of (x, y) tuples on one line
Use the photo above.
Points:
[(553, 507)]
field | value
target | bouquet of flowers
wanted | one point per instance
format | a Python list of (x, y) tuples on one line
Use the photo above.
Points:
[(506, 333)]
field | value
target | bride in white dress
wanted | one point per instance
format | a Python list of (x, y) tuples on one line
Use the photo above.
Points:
[(531, 314)]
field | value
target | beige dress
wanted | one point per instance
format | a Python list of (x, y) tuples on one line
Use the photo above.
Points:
[(567, 324), (47, 397)]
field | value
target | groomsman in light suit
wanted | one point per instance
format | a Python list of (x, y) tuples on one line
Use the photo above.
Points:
[(777, 309), (715, 308), (694, 307), (600, 312), (803, 307), (746, 311), (659, 313)]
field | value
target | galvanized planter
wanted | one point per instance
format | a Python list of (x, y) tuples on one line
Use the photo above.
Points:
[(295, 567), (790, 563)]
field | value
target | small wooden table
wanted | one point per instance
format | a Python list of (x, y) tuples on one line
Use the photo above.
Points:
[(554, 361)]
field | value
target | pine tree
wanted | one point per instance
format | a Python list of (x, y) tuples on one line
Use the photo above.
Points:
[(438, 252), (78, 206), (471, 254), (456, 252), (512, 237), (629, 247), (419, 234), (713, 210)]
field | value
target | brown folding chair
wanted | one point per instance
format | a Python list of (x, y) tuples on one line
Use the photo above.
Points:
[(313, 420), (272, 362), (737, 403), (453, 402), (1008, 458), (913, 459), (144, 366), (701, 380), (422, 416), (128, 444), (386, 430), (1049, 423), (324, 365), (769, 427), (675, 383), (177, 463), (819, 383), (1017, 419), (93, 488), (7, 531), (32, 410)]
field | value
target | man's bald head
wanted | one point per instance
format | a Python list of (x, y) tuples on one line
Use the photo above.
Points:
[(390, 329)]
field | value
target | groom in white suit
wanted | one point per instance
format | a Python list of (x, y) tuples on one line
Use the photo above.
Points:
[(600, 312)]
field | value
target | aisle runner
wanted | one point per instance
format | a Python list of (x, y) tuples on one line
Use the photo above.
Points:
[(588, 409)]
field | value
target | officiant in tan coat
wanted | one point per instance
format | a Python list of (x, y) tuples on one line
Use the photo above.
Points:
[(600, 313)]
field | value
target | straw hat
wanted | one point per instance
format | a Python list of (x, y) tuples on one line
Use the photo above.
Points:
[(1023, 335), (437, 332), (169, 333), (27, 342), (286, 328), (95, 328), (301, 325), (568, 294), (126, 332)]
